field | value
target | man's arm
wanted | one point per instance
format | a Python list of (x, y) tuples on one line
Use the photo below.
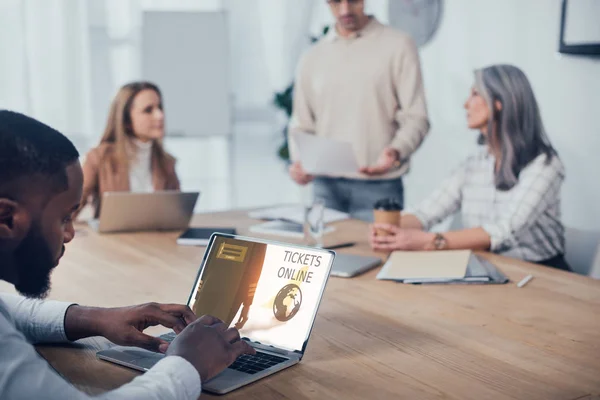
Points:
[(55, 322), (40, 321), (25, 375), (201, 351), (412, 113)]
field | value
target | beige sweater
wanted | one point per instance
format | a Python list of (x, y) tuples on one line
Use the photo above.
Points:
[(366, 90)]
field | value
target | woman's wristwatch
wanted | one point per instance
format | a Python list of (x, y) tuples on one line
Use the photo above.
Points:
[(439, 242)]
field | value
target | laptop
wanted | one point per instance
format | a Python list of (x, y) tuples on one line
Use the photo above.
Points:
[(349, 265), (269, 291), (131, 212)]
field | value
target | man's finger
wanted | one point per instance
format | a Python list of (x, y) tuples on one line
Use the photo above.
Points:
[(306, 179), (376, 169), (209, 320), (220, 327), (167, 320), (241, 347), (372, 172), (379, 170), (231, 335), (366, 171), (139, 339), (181, 311), (162, 348)]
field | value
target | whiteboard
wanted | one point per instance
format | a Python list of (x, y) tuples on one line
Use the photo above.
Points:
[(186, 54)]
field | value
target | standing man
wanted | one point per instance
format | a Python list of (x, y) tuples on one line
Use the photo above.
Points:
[(361, 84)]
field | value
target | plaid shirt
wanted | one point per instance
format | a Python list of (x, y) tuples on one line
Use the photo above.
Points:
[(523, 222)]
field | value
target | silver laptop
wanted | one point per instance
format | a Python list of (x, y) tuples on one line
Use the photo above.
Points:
[(270, 291), (349, 265), (131, 212)]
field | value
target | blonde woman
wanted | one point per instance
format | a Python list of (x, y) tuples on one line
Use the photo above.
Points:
[(508, 192), (130, 156)]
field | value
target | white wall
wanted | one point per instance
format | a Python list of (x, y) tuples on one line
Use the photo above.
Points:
[(267, 38), (474, 34), (249, 79)]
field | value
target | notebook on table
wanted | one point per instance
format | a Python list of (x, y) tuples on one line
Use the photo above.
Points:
[(451, 266)]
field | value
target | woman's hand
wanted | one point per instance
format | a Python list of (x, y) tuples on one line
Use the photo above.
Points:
[(398, 238)]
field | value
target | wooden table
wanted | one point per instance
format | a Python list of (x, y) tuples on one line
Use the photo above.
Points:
[(372, 339)]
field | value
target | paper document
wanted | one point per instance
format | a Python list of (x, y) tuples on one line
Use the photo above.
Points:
[(423, 265), (324, 156), (295, 214)]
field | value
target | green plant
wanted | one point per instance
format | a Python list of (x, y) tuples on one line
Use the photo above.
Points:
[(284, 100)]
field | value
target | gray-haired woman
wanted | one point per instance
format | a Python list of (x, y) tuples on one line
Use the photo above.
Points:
[(508, 192)]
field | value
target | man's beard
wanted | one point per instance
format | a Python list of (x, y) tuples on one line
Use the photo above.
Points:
[(34, 262)]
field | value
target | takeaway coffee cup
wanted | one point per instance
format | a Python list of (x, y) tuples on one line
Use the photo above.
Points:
[(387, 211)]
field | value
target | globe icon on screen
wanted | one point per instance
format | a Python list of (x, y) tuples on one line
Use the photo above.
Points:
[(287, 302)]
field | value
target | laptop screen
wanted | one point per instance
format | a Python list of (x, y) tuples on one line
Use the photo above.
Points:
[(269, 292)]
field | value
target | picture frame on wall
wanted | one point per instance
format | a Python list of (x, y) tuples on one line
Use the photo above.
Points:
[(579, 27)]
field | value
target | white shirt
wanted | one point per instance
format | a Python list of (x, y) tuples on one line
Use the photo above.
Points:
[(25, 375), (523, 222), (140, 168)]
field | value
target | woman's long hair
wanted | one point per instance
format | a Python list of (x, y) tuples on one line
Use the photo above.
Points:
[(515, 131), (119, 132)]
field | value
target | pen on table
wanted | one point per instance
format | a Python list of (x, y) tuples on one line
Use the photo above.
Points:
[(524, 281), (339, 246)]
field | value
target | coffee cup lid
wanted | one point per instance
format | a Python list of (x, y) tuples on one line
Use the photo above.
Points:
[(388, 204)]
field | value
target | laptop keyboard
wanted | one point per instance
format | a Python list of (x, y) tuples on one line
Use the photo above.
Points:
[(256, 363), (168, 337), (246, 363)]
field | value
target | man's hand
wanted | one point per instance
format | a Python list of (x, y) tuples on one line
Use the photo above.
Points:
[(209, 346), (398, 238), (298, 174), (125, 325), (388, 159)]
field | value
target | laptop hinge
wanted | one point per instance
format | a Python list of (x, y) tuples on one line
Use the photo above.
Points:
[(271, 349)]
